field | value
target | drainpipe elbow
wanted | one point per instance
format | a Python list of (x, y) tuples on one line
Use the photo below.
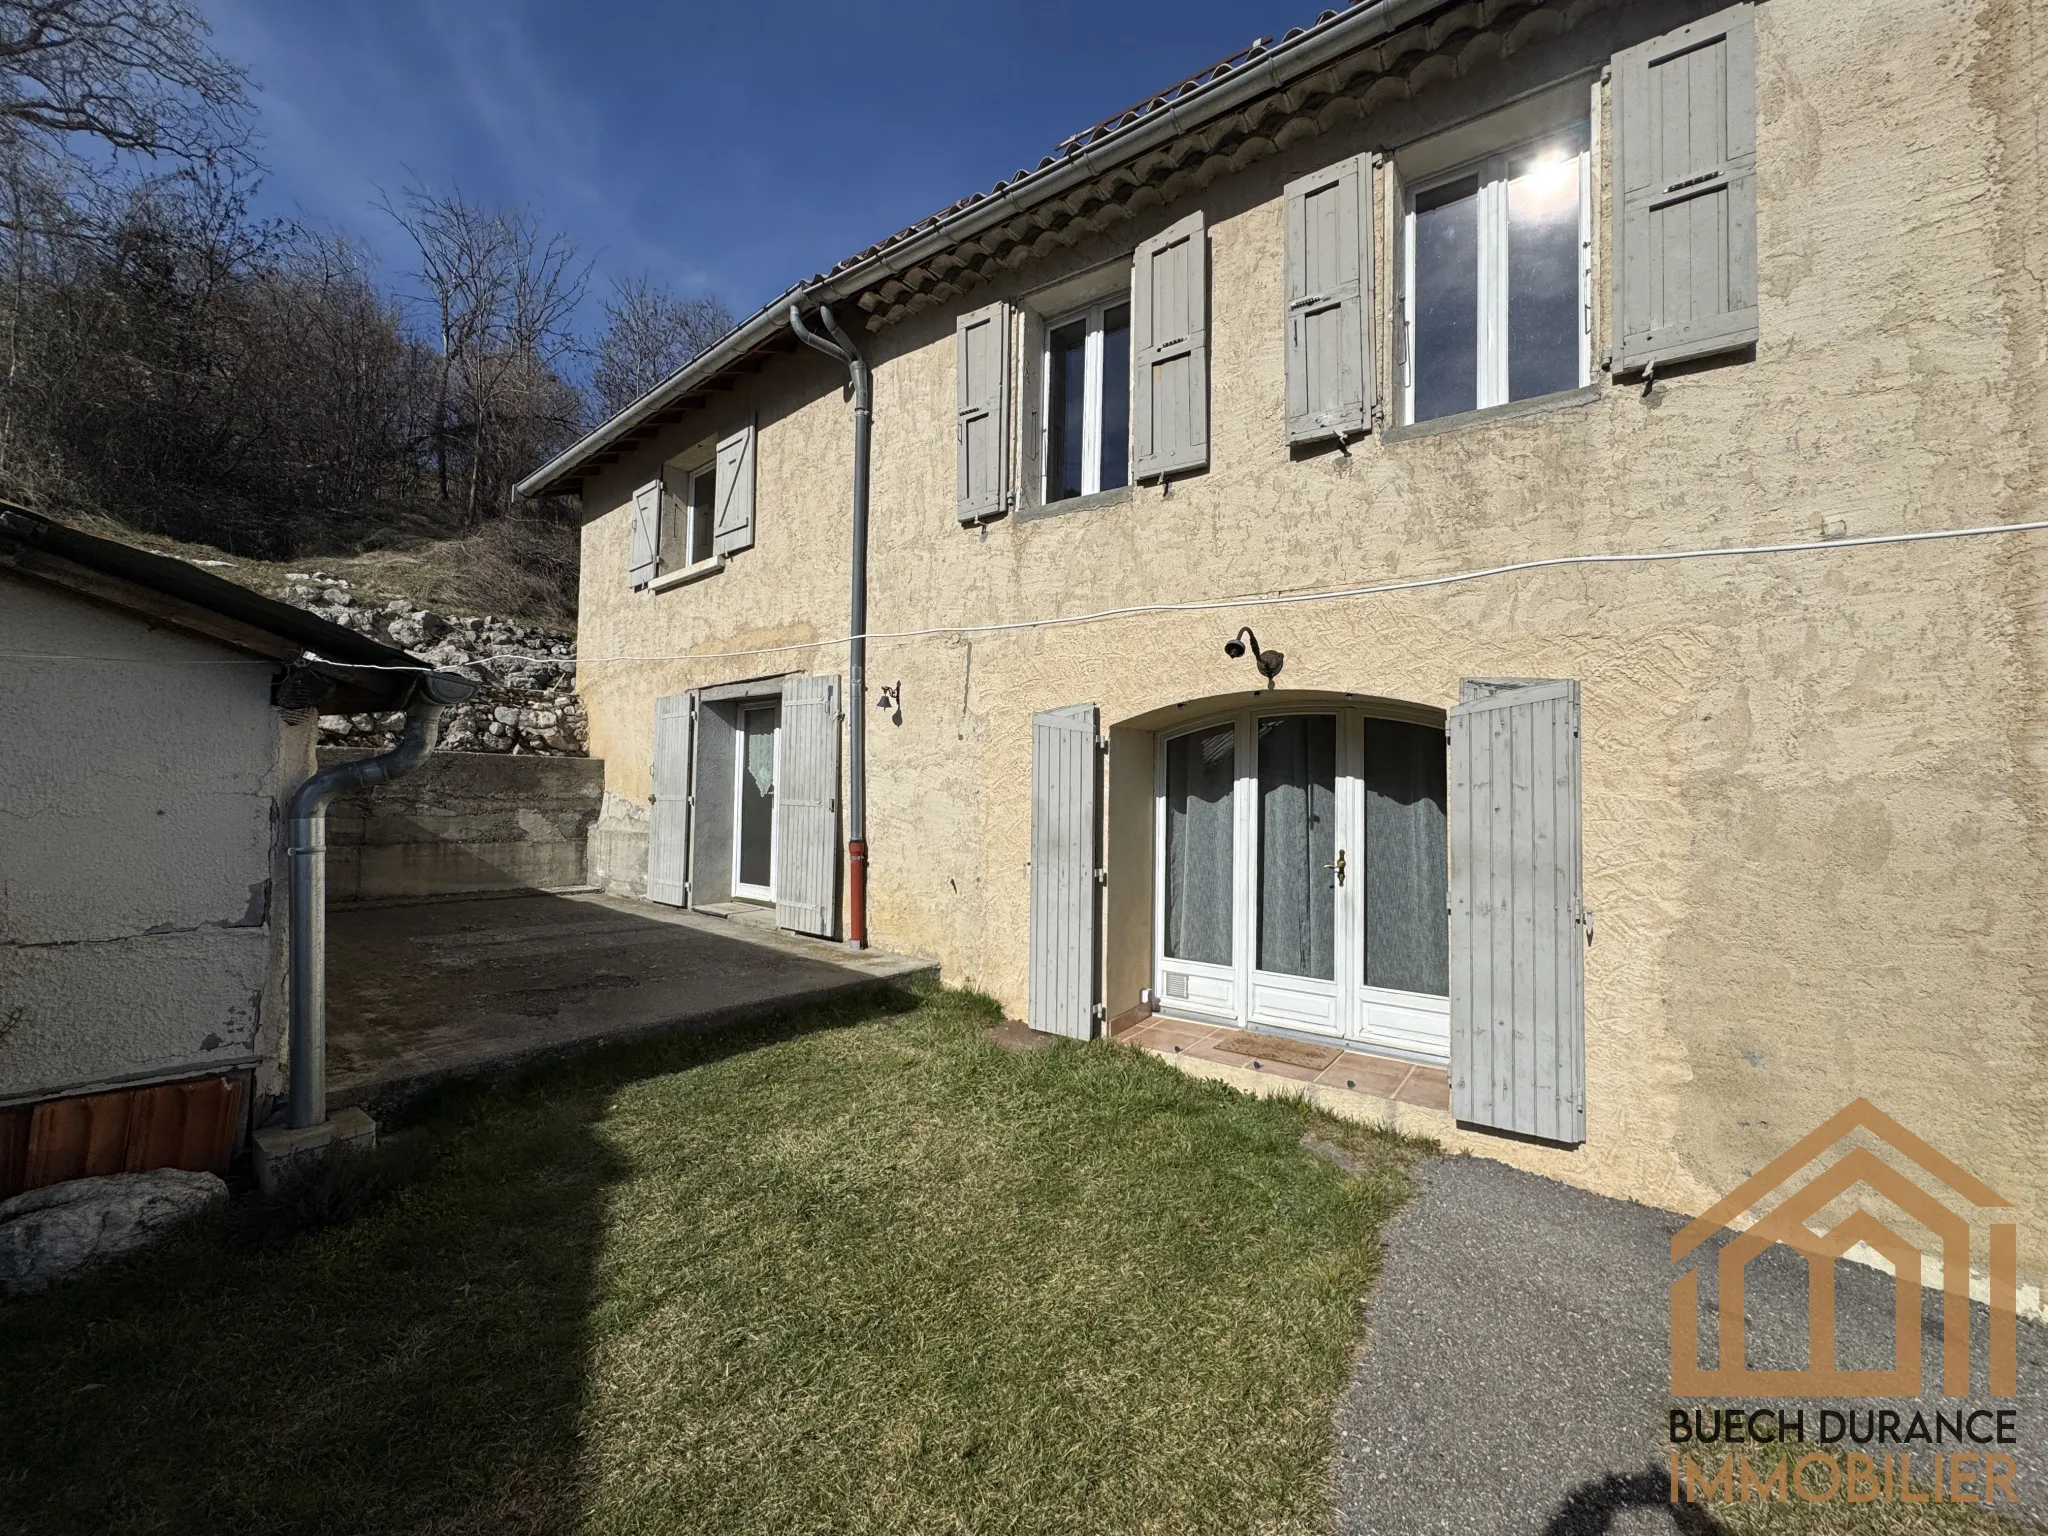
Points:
[(437, 690), (307, 910), (855, 363), (811, 338)]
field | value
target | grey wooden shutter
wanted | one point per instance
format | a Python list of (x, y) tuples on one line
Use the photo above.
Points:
[(1517, 923), (1170, 351), (1685, 193), (668, 829), (732, 525), (646, 547), (1065, 780), (1329, 300), (807, 808), (981, 426)]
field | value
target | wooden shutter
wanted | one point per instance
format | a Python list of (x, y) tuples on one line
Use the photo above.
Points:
[(668, 829), (1685, 193), (1065, 791), (1170, 351), (646, 550), (732, 525), (807, 808), (981, 426), (1517, 923), (1329, 297)]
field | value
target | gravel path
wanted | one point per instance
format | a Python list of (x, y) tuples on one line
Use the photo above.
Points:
[(1515, 1376)]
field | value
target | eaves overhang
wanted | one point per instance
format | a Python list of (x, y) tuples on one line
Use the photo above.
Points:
[(1252, 104), (360, 674)]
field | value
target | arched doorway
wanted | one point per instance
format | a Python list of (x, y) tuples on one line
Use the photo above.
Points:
[(1300, 872)]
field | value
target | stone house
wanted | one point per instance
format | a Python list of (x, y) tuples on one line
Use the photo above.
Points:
[(154, 722), (1620, 426)]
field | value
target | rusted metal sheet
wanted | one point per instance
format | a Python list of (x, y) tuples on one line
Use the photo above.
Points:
[(194, 1125)]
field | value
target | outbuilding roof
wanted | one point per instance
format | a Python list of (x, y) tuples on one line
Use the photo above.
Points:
[(178, 593), (1250, 104)]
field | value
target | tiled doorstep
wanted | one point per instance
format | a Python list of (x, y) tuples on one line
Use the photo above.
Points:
[(1374, 1090)]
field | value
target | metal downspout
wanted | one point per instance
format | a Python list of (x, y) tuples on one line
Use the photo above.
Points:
[(308, 909), (842, 348)]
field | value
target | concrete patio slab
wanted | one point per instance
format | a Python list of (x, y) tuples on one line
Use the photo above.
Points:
[(471, 988)]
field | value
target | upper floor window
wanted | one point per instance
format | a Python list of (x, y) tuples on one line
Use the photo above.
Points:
[(700, 503), (691, 503), (1495, 256), (1088, 402)]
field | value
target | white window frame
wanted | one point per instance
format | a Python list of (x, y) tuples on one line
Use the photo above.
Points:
[(739, 780), (691, 553), (1492, 170), (1091, 399), (697, 563)]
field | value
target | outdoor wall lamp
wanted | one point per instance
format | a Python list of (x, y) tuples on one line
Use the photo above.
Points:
[(1269, 663)]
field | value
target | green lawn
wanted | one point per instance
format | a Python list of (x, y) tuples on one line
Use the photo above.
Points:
[(861, 1271)]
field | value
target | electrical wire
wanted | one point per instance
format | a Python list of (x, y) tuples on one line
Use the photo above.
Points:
[(1210, 605), (1334, 594)]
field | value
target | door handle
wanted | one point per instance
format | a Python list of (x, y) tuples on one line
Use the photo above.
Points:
[(1338, 866)]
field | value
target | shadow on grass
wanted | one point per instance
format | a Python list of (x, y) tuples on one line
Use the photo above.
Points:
[(420, 1368)]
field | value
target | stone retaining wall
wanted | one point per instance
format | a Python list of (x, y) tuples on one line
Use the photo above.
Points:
[(462, 822)]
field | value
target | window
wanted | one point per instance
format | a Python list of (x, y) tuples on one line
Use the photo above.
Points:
[(700, 503), (1088, 402), (689, 508), (1496, 272)]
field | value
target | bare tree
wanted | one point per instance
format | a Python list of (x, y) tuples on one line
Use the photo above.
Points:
[(136, 75), (463, 264), (649, 333), (503, 295)]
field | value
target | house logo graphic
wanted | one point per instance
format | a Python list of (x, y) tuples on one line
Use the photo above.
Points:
[(1933, 1198)]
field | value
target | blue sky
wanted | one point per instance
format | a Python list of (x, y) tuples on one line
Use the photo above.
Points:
[(731, 148)]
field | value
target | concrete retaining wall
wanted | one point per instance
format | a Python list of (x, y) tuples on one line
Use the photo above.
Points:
[(465, 821)]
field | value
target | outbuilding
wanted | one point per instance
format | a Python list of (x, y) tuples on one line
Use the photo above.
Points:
[(155, 720)]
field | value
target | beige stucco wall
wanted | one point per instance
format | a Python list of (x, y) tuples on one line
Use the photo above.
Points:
[(1816, 843), (141, 768)]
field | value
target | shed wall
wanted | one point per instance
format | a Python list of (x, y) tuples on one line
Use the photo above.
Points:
[(140, 774)]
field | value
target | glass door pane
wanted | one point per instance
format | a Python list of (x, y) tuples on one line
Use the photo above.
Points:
[(1297, 844), (1406, 870), (755, 817), (1201, 774)]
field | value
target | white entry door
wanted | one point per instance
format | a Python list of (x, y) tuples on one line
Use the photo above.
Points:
[(758, 768), (1302, 877)]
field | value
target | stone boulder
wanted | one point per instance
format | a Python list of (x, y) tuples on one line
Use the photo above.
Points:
[(52, 1233)]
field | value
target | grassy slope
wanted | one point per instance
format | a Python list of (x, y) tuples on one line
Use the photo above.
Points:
[(439, 574), (883, 1276)]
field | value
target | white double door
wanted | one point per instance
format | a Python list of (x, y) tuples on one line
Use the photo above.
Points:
[(1301, 876)]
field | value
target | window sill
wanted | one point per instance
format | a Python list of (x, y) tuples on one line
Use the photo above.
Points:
[(687, 574), (1115, 498), (1541, 405)]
